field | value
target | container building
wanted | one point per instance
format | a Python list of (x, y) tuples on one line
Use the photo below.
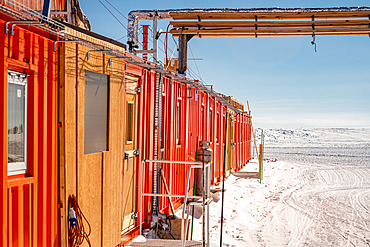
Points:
[(79, 113)]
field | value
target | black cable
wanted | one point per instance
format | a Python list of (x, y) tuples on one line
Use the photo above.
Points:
[(223, 181), (113, 15), (168, 217), (76, 233), (116, 9)]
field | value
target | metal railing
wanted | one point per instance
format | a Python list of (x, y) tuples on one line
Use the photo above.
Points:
[(207, 195)]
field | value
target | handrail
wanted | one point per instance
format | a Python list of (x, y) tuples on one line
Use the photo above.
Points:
[(185, 195)]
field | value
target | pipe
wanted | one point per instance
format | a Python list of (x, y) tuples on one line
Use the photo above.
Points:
[(223, 182), (195, 180)]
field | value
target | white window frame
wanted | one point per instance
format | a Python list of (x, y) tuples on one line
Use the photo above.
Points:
[(16, 168)]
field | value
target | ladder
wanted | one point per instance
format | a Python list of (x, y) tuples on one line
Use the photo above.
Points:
[(157, 140)]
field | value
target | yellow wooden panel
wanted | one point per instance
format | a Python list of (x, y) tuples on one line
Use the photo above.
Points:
[(113, 159), (95, 178), (275, 15), (90, 194), (67, 132), (89, 167)]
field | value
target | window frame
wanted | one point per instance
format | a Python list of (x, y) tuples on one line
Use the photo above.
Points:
[(18, 168), (132, 103), (108, 113), (218, 123), (178, 116)]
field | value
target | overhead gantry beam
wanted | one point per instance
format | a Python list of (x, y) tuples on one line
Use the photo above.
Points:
[(272, 13), (271, 23)]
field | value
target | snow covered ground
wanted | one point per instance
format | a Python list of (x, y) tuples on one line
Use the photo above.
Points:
[(317, 193)]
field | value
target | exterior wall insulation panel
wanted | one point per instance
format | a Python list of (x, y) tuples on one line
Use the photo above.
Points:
[(95, 178)]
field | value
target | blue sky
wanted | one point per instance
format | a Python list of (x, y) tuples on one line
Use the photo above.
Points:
[(287, 84)]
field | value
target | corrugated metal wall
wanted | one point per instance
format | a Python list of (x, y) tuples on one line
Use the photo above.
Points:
[(29, 201), (56, 5)]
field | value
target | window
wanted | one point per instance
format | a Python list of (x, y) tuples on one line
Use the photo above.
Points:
[(211, 129), (163, 119), (217, 128), (201, 123), (17, 123), (96, 112), (178, 123), (130, 122)]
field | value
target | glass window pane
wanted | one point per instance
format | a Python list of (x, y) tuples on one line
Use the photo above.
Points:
[(129, 124), (16, 123), (96, 112), (178, 123), (217, 124)]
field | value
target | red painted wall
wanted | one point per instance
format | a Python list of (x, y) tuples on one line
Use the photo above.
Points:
[(28, 212)]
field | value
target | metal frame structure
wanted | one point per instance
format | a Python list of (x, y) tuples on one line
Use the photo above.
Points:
[(208, 199)]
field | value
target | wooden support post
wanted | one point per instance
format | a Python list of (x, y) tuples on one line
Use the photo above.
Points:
[(254, 136), (260, 173), (46, 8), (168, 192), (183, 52)]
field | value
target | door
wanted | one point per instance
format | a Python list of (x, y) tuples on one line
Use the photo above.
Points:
[(130, 153)]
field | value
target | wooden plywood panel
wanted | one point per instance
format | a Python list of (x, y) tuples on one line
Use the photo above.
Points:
[(113, 160), (90, 193), (89, 167), (268, 15), (95, 178), (67, 116)]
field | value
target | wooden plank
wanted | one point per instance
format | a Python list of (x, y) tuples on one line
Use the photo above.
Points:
[(166, 242), (68, 157), (62, 149), (272, 31), (89, 167), (281, 34), (261, 15), (113, 159), (245, 24)]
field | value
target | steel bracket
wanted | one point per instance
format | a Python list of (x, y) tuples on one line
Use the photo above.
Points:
[(13, 23), (88, 53), (134, 216), (60, 41), (110, 59)]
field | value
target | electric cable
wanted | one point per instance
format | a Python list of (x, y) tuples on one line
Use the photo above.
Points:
[(113, 15), (191, 51), (116, 10), (223, 181), (76, 229)]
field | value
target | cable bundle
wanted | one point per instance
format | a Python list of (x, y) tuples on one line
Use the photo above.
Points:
[(76, 229)]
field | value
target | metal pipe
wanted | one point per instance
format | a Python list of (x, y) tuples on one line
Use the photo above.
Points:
[(183, 211), (13, 23), (203, 209), (155, 38), (171, 195), (110, 59), (223, 182), (88, 53), (174, 162), (60, 41), (141, 197)]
